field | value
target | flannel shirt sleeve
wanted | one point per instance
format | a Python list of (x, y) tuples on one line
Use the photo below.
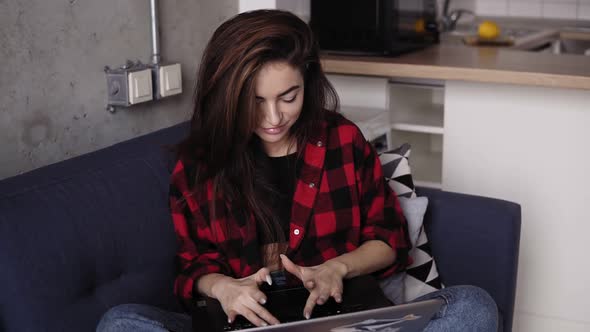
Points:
[(198, 251), (382, 216)]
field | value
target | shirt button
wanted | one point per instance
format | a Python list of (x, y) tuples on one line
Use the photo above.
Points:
[(311, 184), (320, 144), (296, 232)]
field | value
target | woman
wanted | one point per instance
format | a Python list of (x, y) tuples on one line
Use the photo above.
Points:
[(272, 178)]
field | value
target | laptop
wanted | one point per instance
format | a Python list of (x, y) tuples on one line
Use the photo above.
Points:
[(364, 307)]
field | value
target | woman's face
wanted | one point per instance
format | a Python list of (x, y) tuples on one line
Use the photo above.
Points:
[(279, 97)]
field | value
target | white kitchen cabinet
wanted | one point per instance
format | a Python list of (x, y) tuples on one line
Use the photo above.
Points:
[(521, 143), (530, 145), (417, 117), (392, 112)]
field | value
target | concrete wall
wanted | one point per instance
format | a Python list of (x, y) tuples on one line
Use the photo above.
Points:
[(52, 84)]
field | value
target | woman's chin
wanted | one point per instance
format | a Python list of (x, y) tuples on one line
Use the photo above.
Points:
[(271, 139), (274, 144)]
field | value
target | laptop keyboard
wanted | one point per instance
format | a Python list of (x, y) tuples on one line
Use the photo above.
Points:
[(286, 302), (329, 308)]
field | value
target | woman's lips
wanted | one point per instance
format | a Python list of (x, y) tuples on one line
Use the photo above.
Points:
[(274, 130)]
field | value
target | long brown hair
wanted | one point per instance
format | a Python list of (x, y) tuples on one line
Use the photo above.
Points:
[(221, 143)]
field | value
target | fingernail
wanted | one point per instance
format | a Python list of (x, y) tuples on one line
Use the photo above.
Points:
[(268, 280), (282, 256), (263, 301), (264, 324), (229, 320), (306, 315)]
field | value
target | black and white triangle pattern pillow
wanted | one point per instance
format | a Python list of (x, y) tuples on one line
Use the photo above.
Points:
[(397, 172), (422, 276)]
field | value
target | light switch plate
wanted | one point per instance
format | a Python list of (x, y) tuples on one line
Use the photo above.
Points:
[(140, 86), (170, 80)]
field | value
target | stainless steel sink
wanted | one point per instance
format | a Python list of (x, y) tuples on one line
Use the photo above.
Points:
[(519, 38), (566, 42)]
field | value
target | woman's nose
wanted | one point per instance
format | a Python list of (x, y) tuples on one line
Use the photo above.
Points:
[(273, 115)]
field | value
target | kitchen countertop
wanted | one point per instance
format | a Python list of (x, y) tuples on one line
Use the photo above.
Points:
[(454, 61)]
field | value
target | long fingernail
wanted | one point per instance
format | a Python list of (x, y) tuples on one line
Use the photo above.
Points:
[(268, 280)]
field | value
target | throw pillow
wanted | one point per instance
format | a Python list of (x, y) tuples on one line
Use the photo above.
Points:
[(413, 209), (422, 276), (397, 172)]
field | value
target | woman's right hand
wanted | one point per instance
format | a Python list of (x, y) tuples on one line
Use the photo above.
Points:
[(243, 297)]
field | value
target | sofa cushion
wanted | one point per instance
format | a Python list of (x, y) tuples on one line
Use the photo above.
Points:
[(476, 242), (414, 209), (86, 234)]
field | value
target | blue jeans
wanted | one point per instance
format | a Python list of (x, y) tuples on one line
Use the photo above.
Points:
[(141, 317), (465, 308)]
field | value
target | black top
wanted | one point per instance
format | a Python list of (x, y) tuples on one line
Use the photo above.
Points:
[(282, 177)]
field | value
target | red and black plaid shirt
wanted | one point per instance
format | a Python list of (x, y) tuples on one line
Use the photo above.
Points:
[(341, 200)]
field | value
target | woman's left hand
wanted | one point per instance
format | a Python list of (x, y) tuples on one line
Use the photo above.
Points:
[(323, 281)]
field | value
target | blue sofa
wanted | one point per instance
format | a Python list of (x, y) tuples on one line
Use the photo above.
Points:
[(83, 235)]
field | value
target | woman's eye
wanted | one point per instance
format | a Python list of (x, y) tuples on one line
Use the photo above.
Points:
[(290, 100)]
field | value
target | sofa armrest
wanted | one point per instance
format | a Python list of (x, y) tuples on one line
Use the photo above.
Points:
[(475, 241)]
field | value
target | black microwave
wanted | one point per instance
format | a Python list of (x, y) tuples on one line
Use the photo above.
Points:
[(374, 27)]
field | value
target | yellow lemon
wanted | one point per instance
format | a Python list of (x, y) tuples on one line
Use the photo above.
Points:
[(488, 30)]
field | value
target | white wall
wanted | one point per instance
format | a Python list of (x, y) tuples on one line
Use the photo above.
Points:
[(561, 9)]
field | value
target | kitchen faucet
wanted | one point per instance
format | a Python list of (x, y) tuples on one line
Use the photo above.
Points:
[(449, 20)]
